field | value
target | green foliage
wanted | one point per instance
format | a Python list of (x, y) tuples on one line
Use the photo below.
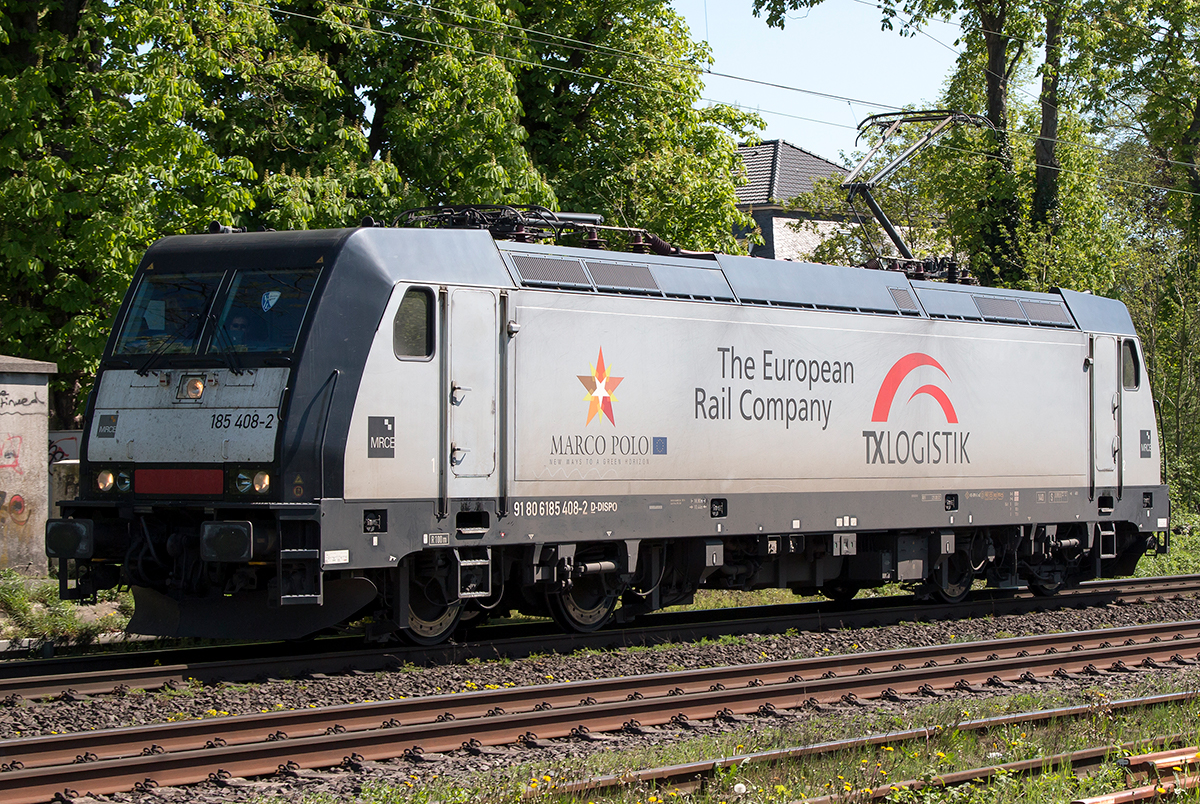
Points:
[(125, 120), (1147, 53), (634, 147), (33, 610)]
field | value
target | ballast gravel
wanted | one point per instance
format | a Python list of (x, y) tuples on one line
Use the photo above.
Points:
[(33, 718)]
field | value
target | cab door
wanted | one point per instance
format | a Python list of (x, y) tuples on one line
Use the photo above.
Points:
[(472, 374), (1106, 412)]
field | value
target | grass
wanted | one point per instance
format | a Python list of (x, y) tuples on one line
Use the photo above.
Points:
[(846, 773), (31, 609), (1184, 557)]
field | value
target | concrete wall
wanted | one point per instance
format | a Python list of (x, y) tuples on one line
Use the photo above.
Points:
[(64, 468), (24, 480)]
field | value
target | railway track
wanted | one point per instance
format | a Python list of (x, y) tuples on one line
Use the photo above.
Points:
[(180, 753), (692, 776), (146, 669)]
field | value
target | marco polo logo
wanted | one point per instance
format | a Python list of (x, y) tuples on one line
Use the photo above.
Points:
[(591, 448), (941, 446)]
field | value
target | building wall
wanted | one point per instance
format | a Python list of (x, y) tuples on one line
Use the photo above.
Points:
[(24, 481)]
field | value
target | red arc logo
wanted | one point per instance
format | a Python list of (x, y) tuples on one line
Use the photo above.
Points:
[(891, 383)]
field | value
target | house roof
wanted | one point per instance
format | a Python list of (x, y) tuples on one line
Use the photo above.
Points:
[(777, 171)]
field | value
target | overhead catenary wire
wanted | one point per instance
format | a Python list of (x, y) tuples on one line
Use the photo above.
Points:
[(636, 85), (1024, 91), (572, 44), (544, 38), (577, 44)]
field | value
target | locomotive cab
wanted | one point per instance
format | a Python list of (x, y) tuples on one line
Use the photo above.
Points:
[(193, 485)]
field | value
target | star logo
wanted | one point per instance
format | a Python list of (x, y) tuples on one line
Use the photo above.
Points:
[(600, 385)]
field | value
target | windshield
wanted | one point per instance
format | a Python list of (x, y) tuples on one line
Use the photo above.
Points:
[(263, 311), (167, 314)]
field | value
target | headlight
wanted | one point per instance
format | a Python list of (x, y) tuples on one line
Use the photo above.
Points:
[(191, 388), (124, 481), (105, 481), (226, 541), (69, 538), (259, 482)]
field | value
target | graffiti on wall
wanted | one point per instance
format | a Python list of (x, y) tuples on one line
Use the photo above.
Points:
[(64, 446), (13, 508), (10, 452), (8, 400)]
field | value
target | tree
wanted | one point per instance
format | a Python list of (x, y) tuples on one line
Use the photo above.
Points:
[(96, 159), (610, 104), (127, 120), (1148, 52), (999, 30)]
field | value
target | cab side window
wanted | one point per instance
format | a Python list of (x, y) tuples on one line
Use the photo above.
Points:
[(412, 330), (1131, 368)]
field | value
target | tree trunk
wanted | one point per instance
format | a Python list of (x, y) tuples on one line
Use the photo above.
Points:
[(999, 256), (1045, 191)]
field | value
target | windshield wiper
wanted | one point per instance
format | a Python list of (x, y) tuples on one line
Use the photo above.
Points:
[(226, 347), (157, 353)]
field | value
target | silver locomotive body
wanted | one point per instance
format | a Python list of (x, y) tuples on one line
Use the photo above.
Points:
[(446, 426)]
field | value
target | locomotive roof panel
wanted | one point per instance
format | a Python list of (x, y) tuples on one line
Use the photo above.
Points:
[(374, 256), (805, 284), (994, 305), (461, 257), (1098, 313), (616, 272)]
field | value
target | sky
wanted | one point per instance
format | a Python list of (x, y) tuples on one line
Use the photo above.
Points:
[(836, 48)]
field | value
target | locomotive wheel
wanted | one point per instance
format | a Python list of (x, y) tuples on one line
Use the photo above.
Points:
[(1046, 588), (429, 621), (840, 592), (959, 577), (587, 606)]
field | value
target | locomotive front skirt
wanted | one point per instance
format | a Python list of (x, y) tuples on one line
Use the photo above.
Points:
[(424, 427)]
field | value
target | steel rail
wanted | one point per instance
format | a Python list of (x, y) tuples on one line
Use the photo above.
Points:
[(691, 776), (450, 730), (49, 678), (1086, 758), (56, 749)]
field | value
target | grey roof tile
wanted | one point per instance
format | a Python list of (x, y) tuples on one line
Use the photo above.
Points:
[(777, 171)]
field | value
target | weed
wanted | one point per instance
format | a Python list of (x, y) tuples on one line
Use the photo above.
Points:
[(33, 610)]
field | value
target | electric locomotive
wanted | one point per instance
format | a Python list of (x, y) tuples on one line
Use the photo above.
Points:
[(424, 425)]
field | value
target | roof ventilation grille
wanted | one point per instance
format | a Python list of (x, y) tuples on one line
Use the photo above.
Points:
[(552, 272), (1047, 312), (904, 300), (622, 276), (994, 309)]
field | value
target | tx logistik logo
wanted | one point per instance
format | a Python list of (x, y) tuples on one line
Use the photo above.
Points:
[(919, 446)]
